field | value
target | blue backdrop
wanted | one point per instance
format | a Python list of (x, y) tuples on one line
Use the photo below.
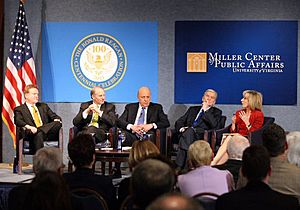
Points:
[(259, 55), (140, 43)]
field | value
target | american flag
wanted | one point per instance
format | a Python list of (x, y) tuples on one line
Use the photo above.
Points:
[(20, 71)]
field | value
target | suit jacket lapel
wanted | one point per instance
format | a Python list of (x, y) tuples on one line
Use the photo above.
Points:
[(149, 113), (102, 108), (42, 115), (134, 113), (197, 110), (27, 113)]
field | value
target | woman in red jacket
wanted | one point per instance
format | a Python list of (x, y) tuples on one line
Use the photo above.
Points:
[(246, 120)]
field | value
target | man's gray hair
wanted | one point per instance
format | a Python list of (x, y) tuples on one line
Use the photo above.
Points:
[(47, 159), (293, 140), (236, 146)]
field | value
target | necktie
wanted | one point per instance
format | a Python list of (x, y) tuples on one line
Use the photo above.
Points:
[(141, 117), (36, 117), (196, 121), (95, 118)]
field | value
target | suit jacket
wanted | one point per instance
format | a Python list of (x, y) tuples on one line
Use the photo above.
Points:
[(23, 116), (85, 177), (285, 177), (155, 114), (106, 121), (210, 119), (256, 120), (256, 195)]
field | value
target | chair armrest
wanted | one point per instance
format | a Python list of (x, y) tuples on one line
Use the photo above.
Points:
[(219, 133)]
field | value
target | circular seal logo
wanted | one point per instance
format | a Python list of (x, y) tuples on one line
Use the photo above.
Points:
[(99, 60)]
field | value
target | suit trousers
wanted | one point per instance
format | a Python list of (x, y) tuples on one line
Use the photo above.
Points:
[(46, 132), (99, 133), (185, 140)]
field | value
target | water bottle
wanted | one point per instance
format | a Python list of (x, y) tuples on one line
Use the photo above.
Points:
[(15, 165), (120, 139)]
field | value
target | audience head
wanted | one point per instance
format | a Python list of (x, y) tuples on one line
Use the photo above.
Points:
[(236, 146), (47, 159), (48, 191), (150, 179), (144, 96), (293, 139), (252, 99), (274, 139), (82, 150), (140, 150), (31, 94), (256, 164), (174, 201), (98, 95), (210, 96), (199, 154)]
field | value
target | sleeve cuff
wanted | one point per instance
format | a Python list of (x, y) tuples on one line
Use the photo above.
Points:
[(128, 127), (154, 126)]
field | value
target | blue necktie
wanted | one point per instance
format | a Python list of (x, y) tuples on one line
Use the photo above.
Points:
[(141, 117), (196, 121)]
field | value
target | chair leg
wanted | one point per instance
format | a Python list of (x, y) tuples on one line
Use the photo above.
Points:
[(20, 162), (110, 167), (103, 168)]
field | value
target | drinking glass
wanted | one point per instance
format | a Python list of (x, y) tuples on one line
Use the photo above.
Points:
[(107, 143)]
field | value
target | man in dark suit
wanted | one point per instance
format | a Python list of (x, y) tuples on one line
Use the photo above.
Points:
[(97, 116), (40, 122), (194, 122), (257, 194), (82, 153), (142, 118)]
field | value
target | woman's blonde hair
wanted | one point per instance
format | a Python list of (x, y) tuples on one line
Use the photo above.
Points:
[(140, 151), (200, 154), (255, 99)]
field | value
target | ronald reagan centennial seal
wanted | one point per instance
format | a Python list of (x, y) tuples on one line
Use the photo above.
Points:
[(99, 60)]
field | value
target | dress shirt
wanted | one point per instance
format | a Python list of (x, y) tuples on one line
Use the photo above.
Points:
[(137, 118), (85, 114), (31, 111), (183, 128)]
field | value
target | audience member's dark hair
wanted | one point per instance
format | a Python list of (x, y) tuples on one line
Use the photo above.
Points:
[(162, 158), (81, 150), (174, 201), (255, 163), (48, 191), (274, 139), (150, 179)]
